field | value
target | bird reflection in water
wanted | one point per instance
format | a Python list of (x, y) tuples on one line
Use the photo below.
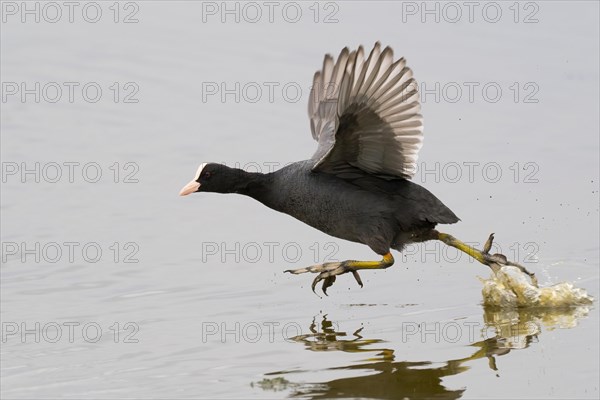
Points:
[(385, 378)]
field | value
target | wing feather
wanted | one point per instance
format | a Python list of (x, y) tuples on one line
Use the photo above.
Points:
[(365, 113)]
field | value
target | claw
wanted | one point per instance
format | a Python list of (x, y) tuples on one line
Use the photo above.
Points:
[(357, 277), (488, 244), (327, 279), (314, 283), (327, 282)]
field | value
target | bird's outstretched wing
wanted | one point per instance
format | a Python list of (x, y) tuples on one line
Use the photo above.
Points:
[(365, 114)]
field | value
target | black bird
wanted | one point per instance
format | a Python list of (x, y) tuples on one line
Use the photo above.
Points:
[(365, 116)]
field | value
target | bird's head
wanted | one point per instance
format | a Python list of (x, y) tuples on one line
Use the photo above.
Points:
[(212, 177)]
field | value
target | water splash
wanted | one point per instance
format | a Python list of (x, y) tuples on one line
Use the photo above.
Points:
[(510, 287)]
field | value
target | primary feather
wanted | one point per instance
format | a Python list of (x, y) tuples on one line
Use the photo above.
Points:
[(365, 114)]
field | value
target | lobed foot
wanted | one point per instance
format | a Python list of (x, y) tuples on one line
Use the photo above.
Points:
[(494, 261), (327, 273)]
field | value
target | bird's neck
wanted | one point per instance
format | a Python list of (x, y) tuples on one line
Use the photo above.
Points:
[(254, 184)]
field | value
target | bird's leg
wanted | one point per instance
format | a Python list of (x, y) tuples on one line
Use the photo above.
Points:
[(494, 261), (328, 271)]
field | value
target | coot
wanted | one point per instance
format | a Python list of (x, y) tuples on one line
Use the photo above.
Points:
[(365, 116)]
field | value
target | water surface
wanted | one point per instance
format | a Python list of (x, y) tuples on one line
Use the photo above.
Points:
[(189, 294)]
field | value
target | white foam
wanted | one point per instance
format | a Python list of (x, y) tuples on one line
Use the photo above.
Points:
[(509, 287)]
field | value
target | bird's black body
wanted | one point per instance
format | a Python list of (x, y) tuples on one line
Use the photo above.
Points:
[(365, 116), (353, 205)]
